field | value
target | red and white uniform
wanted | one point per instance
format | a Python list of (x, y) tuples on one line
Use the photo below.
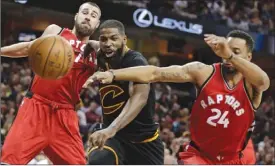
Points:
[(221, 118), (66, 90), (47, 121)]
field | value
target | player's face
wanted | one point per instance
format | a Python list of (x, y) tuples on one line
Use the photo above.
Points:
[(239, 48), (111, 41), (87, 20)]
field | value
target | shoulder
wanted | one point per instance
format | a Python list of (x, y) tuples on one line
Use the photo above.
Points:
[(52, 29), (201, 72), (132, 54), (133, 58), (94, 44), (199, 67)]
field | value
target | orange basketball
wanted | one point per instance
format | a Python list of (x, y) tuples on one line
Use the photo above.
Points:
[(51, 57)]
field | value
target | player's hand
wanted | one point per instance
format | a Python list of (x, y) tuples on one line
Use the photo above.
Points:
[(103, 77), (91, 46), (219, 45), (98, 138)]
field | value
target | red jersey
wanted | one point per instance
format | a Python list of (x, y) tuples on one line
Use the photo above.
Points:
[(221, 117), (66, 90)]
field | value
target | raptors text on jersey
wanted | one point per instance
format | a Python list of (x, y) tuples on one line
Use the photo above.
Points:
[(221, 117)]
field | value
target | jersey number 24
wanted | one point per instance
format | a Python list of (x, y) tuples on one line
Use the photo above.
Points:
[(221, 117)]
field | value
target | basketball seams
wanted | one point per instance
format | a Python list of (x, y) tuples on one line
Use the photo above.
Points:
[(63, 60), (35, 49), (67, 69), (68, 64), (47, 58)]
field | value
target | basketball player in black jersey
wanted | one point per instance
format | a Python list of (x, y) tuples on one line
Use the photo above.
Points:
[(130, 135)]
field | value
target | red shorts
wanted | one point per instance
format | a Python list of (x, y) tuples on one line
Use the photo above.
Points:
[(192, 156), (43, 125), (249, 153)]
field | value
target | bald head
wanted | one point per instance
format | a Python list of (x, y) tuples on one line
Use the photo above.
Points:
[(87, 19), (87, 4)]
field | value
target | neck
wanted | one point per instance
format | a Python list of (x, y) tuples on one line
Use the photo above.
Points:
[(232, 77), (79, 37), (125, 50)]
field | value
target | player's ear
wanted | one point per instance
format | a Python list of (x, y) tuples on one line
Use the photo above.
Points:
[(125, 39), (249, 56), (75, 16), (98, 23)]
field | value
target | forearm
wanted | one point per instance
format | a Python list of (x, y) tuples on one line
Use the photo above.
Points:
[(90, 47), (16, 50), (252, 73), (21, 49), (143, 74), (129, 112), (175, 73)]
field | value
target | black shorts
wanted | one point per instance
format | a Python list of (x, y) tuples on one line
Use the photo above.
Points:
[(118, 151)]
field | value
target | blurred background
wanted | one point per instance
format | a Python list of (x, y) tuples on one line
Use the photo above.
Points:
[(149, 30)]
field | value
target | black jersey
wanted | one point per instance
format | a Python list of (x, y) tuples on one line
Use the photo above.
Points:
[(114, 96)]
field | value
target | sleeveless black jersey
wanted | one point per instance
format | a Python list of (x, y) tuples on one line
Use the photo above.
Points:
[(114, 96)]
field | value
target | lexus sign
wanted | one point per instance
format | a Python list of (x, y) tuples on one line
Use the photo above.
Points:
[(144, 18)]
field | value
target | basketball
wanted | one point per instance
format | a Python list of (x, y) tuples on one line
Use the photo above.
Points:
[(51, 57)]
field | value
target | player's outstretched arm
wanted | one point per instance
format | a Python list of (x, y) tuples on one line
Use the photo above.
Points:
[(21, 49), (145, 74), (252, 73), (16, 50)]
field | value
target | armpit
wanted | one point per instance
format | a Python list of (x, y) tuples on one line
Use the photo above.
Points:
[(254, 95)]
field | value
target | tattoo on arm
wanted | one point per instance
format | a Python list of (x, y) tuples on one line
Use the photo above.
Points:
[(169, 75), (181, 74)]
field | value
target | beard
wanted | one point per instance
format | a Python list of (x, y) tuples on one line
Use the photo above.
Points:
[(229, 70), (114, 60), (83, 30), (117, 53)]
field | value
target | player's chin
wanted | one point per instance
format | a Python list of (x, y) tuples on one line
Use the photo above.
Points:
[(109, 53), (85, 31), (230, 69)]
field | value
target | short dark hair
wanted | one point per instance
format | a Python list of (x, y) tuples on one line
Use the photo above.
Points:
[(92, 4), (113, 24), (243, 35)]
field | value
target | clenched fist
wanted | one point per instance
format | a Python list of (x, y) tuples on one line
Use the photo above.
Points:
[(219, 45)]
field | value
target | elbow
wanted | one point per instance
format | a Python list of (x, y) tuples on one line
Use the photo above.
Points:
[(149, 76), (145, 80), (143, 100), (264, 82), (154, 77), (143, 96)]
